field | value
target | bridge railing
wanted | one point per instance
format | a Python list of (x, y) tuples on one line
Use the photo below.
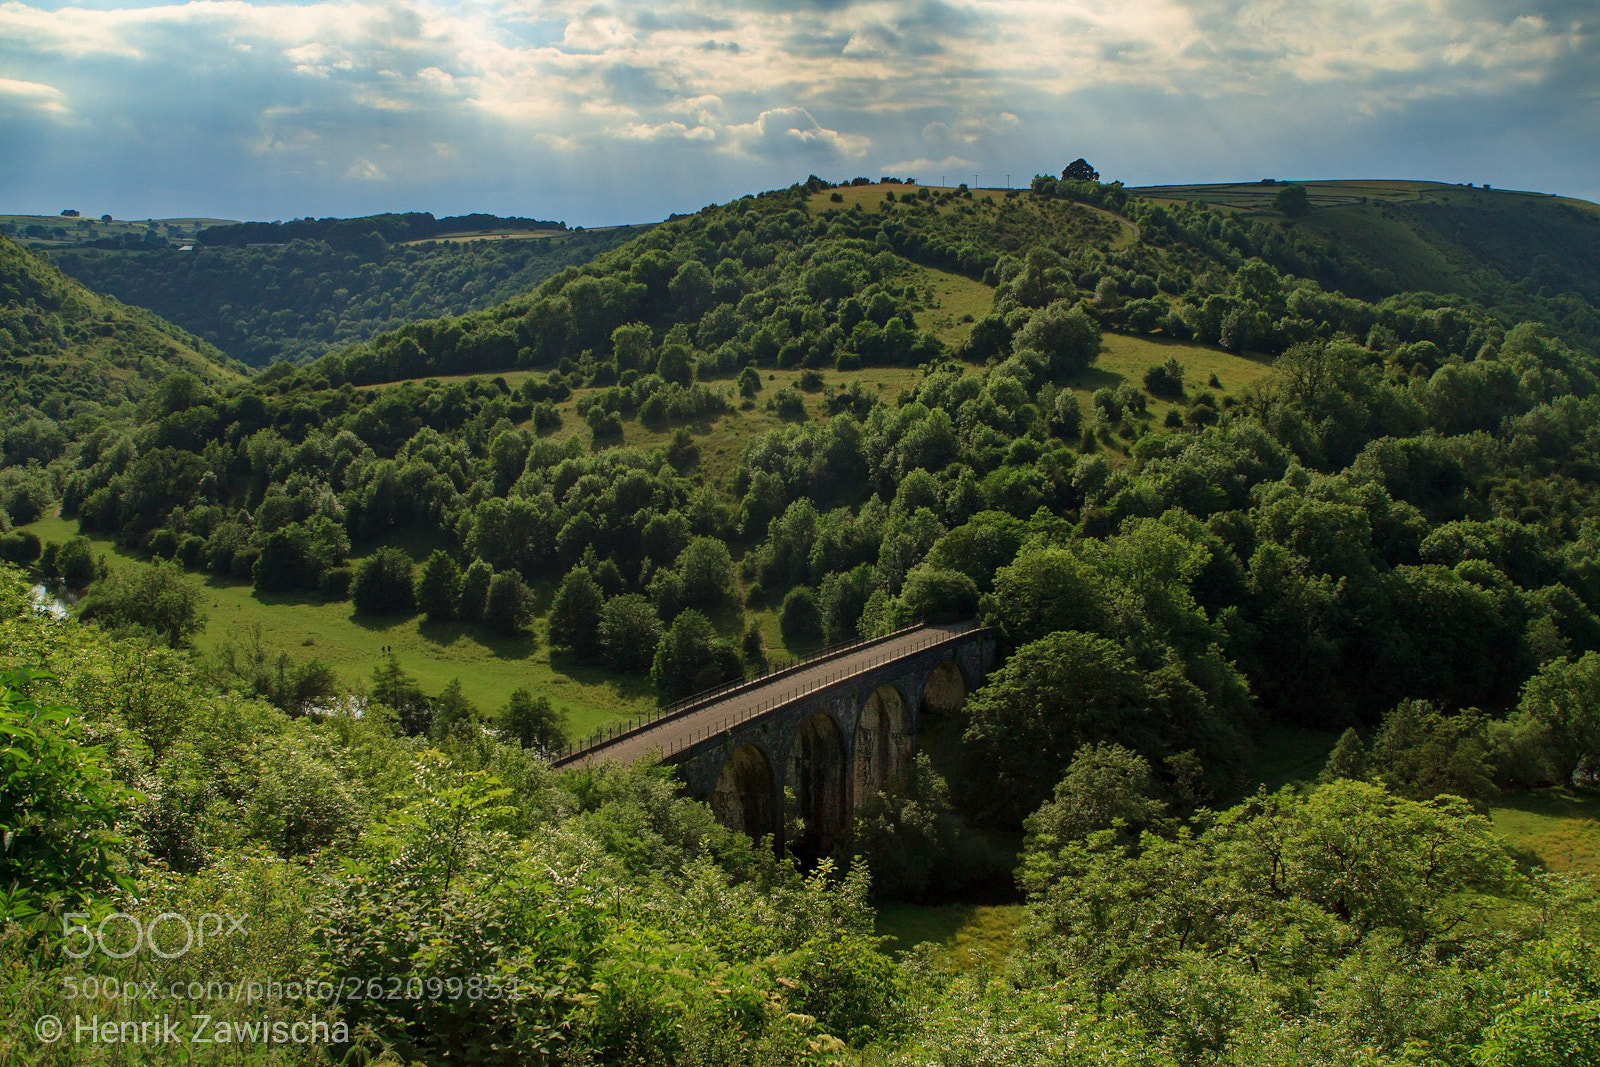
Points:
[(711, 730), (692, 704)]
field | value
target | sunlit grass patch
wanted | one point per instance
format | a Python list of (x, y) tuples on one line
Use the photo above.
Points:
[(1124, 358), (489, 665), (958, 302), (968, 935), (1560, 826)]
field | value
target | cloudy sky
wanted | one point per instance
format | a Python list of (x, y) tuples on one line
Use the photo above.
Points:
[(599, 111)]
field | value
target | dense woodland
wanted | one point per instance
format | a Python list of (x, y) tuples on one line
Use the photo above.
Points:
[(1393, 532), (300, 289)]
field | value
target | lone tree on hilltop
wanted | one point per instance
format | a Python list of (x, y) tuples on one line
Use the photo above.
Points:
[(1079, 170), (1293, 201)]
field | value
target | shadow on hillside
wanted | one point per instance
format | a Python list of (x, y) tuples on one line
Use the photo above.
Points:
[(623, 683), (446, 635), (1097, 378), (292, 598), (1560, 802), (379, 623)]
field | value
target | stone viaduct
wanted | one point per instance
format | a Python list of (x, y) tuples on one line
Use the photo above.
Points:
[(822, 735)]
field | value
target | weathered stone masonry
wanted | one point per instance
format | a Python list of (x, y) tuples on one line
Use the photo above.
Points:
[(833, 747)]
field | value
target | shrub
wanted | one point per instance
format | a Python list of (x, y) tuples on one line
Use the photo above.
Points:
[(439, 587), (62, 846), (383, 584), (335, 584), (21, 547), (474, 591), (506, 609), (575, 614), (155, 598), (532, 722), (801, 618), (787, 403), (1165, 379), (629, 632)]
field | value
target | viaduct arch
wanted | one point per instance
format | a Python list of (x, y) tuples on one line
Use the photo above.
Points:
[(807, 745)]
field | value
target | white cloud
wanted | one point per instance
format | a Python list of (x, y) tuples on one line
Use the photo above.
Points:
[(596, 86), (786, 131), (37, 95), (926, 169)]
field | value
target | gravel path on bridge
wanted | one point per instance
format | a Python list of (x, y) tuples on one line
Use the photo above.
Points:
[(673, 735)]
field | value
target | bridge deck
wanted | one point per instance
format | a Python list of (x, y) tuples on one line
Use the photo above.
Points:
[(679, 732)]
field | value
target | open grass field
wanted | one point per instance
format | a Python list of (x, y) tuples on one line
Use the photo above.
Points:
[(872, 198), (1124, 359), (958, 302), (513, 378), (1426, 236), (86, 229), (969, 936), (489, 666), (1560, 826), (489, 235), (1257, 198)]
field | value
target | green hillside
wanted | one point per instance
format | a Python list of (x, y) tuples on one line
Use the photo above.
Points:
[(1525, 253), (63, 231), (296, 300), (59, 339)]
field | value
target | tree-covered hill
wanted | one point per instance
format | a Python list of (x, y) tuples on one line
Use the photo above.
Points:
[(61, 342), (1162, 268), (370, 232), (1528, 253), (1443, 440), (300, 296)]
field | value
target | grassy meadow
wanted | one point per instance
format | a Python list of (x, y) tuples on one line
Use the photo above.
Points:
[(1257, 197), (958, 302), (969, 936), (488, 235), (872, 198), (1560, 826), (83, 230), (489, 666)]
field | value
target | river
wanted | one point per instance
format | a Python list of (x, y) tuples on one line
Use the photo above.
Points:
[(48, 601)]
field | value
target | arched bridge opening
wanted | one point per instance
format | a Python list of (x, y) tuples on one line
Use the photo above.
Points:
[(816, 780), (745, 796), (945, 691), (790, 753), (882, 742)]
